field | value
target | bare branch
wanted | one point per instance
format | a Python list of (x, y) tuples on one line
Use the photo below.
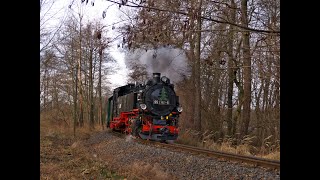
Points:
[(202, 17)]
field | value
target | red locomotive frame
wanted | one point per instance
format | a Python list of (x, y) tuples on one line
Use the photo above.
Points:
[(124, 121)]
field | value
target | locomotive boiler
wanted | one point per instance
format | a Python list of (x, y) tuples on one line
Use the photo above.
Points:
[(148, 111)]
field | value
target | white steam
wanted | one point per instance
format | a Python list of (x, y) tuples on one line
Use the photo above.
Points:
[(170, 62)]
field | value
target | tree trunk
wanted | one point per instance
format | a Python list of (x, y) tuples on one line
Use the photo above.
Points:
[(45, 93), (197, 112), (75, 99), (230, 70), (91, 90), (100, 96), (230, 95), (277, 104), (246, 70), (240, 101), (215, 97), (80, 81), (74, 70)]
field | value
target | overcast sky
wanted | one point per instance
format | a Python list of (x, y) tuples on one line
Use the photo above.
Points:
[(60, 10)]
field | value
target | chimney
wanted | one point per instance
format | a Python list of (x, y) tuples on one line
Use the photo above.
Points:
[(156, 77)]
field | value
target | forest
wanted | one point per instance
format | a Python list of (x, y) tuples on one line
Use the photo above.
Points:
[(231, 96)]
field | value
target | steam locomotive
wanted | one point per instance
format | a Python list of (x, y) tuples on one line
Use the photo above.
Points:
[(147, 111)]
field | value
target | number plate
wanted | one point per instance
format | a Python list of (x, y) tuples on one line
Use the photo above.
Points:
[(159, 102)]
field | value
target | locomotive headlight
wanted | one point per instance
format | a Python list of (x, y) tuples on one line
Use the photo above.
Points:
[(164, 79), (143, 106), (179, 109)]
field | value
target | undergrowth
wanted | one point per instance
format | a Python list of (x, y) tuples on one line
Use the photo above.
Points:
[(269, 149), (62, 155)]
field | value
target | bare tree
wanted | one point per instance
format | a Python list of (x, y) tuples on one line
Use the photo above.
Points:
[(197, 110), (73, 59), (230, 65), (48, 14), (247, 69)]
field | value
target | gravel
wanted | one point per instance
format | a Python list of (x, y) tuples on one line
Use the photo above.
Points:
[(150, 162)]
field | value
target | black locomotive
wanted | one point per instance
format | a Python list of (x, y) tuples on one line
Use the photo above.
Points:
[(149, 111)]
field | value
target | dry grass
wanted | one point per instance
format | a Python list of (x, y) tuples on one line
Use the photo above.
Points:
[(49, 127), (268, 150), (63, 157), (273, 155), (189, 137), (146, 171)]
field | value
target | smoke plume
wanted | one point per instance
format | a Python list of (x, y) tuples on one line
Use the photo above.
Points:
[(170, 62)]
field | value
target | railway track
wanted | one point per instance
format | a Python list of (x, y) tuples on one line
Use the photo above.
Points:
[(256, 161)]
